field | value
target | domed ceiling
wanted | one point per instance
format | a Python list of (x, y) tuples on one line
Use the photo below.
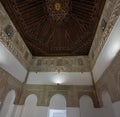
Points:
[(56, 27)]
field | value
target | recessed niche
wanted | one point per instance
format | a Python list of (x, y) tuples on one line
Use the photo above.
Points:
[(103, 24), (9, 31), (80, 61)]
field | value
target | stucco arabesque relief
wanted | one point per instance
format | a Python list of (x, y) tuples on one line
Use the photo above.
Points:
[(70, 92), (61, 64), (15, 44), (111, 13)]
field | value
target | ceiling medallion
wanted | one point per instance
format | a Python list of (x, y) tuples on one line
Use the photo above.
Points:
[(58, 9), (57, 6)]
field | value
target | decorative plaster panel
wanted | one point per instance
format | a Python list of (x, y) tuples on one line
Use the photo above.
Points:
[(60, 64), (71, 93), (15, 43), (110, 13)]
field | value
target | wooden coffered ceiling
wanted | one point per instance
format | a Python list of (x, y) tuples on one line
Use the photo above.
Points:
[(50, 29)]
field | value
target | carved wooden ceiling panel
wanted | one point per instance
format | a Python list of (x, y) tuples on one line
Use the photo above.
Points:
[(56, 27)]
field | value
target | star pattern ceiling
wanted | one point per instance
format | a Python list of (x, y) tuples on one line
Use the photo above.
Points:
[(56, 27)]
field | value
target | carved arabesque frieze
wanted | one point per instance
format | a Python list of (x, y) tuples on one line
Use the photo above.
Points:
[(61, 64), (15, 43), (71, 93), (110, 80), (110, 13), (12, 48)]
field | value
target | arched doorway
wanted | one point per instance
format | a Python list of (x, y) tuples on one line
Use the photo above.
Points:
[(57, 106), (86, 106), (7, 107), (29, 106)]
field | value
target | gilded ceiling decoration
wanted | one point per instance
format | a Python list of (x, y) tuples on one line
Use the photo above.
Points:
[(58, 9), (56, 27)]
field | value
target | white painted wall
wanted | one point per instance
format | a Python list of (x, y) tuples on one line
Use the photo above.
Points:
[(63, 78), (116, 108), (73, 112), (10, 64), (41, 111), (109, 51)]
